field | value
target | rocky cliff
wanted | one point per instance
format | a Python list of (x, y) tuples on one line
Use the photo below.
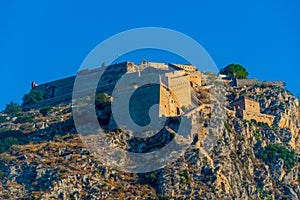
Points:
[(249, 160)]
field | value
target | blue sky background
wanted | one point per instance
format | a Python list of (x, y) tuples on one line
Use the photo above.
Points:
[(47, 40)]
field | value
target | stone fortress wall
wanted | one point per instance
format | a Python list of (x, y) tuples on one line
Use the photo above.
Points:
[(175, 86), (254, 81), (249, 109), (179, 85), (169, 104), (174, 91), (60, 91), (269, 119), (245, 82), (186, 67)]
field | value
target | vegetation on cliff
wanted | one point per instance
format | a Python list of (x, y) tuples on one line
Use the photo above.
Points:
[(33, 97), (274, 151), (235, 71), (42, 157)]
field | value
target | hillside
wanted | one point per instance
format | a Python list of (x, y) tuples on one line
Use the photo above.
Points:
[(249, 160)]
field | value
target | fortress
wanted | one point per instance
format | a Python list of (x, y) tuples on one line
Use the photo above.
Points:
[(174, 90), (173, 93)]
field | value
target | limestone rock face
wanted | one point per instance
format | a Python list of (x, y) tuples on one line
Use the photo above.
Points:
[(51, 162)]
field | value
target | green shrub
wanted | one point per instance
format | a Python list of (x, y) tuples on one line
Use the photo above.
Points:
[(256, 135), (262, 124), (173, 135), (13, 109), (149, 178), (253, 121), (101, 101), (66, 110), (235, 70), (246, 164), (163, 197), (269, 197), (7, 142), (185, 174), (275, 151), (24, 119), (2, 175), (227, 126), (33, 97), (2, 119), (118, 130), (260, 191), (272, 127), (44, 111), (184, 108)]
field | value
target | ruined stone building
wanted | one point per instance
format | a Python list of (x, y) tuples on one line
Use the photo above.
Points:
[(249, 109)]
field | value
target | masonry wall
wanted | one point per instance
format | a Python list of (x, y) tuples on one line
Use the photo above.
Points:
[(258, 117), (247, 104), (245, 82), (64, 99), (57, 88), (250, 110), (195, 77), (180, 86), (60, 91), (187, 67), (158, 65), (169, 105), (239, 104), (141, 101), (251, 106)]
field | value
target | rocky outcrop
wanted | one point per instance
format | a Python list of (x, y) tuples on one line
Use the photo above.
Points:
[(52, 163)]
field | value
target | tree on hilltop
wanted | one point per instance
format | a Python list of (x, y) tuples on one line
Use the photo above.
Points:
[(235, 71)]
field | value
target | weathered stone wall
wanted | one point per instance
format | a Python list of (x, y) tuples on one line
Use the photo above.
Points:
[(141, 101), (253, 81), (195, 78), (239, 104), (245, 82), (186, 67), (57, 88), (247, 104), (180, 86), (258, 117), (251, 105), (157, 65), (169, 105), (249, 109), (61, 100), (60, 91)]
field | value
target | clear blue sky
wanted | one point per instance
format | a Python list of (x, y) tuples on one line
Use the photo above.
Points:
[(47, 40)]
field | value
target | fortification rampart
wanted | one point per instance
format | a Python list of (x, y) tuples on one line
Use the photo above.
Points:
[(253, 82), (64, 99), (264, 118), (60, 91), (249, 109), (245, 82), (175, 86), (186, 67)]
